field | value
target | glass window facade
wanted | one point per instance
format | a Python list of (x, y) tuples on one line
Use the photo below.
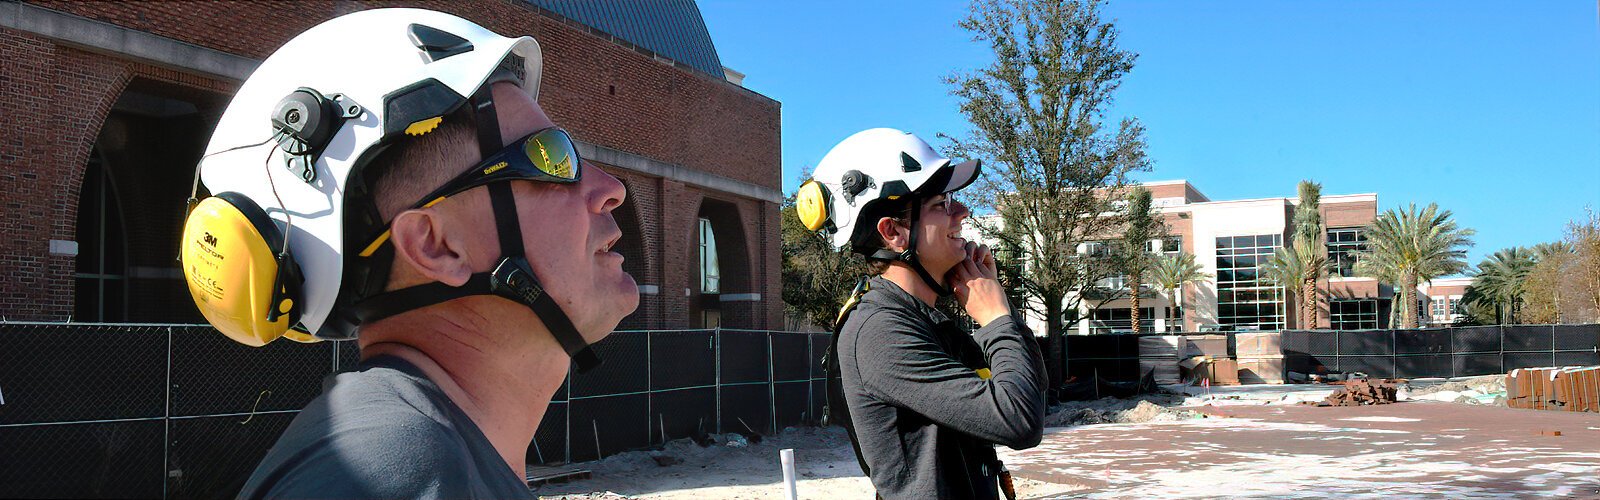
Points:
[(1353, 314), (1243, 299), (1342, 245), (1112, 320)]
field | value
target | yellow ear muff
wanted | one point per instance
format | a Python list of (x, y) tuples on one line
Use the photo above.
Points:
[(811, 204), (229, 254)]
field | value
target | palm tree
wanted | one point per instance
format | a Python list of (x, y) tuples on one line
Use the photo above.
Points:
[(1298, 266), (1405, 247), (1500, 279), (1143, 225), (1171, 273)]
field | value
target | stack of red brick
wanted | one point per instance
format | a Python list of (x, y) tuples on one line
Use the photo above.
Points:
[(1555, 388)]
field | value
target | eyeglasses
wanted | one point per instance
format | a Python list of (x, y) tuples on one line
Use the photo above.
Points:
[(547, 155)]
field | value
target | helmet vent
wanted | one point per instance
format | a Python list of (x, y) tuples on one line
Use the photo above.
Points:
[(909, 164), (436, 43)]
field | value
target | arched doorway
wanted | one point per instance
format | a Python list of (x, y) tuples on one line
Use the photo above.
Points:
[(721, 275), (131, 204), (634, 250)]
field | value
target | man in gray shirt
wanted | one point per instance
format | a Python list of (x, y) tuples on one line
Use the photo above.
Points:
[(468, 250), (926, 401)]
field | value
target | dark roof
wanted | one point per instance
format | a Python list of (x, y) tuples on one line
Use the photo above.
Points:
[(671, 28)]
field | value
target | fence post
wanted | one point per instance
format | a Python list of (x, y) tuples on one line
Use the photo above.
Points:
[(166, 424), (1453, 353), (1552, 343), (1394, 353), (811, 357), (772, 389), (567, 436), (716, 354), (650, 389)]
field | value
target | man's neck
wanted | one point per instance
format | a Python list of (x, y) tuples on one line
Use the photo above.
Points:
[(908, 279), (502, 380)]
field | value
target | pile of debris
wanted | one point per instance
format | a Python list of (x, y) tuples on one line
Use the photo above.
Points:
[(1487, 390), (1149, 408), (1363, 392)]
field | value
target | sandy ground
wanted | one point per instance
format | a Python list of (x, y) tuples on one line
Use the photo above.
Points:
[(1405, 450), (1237, 442)]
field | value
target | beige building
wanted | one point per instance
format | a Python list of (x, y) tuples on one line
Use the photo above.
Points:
[(1232, 240)]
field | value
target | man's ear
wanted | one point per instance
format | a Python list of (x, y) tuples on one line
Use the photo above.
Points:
[(895, 236), (420, 241)]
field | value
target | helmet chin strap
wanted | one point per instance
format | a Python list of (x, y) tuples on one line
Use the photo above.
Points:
[(512, 278), (909, 256)]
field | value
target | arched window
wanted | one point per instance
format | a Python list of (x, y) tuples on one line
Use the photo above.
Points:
[(710, 273), (102, 277)]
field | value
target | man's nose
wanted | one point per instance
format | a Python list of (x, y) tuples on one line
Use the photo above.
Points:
[(606, 192), (961, 211)]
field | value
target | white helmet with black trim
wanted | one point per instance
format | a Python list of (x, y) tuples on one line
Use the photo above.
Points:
[(868, 170), (279, 249)]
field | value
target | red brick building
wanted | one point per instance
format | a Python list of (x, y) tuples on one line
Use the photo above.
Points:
[(110, 105)]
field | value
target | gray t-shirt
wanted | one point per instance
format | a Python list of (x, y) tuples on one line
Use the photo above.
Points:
[(925, 417), (384, 431)]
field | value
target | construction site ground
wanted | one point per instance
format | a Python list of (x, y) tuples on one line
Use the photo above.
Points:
[(1249, 441)]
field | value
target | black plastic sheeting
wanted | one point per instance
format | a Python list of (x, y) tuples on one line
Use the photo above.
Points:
[(211, 457), (96, 460), (191, 412), (82, 372), (622, 422), (1441, 352)]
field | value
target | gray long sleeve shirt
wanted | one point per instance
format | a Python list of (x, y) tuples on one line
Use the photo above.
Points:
[(924, 418)]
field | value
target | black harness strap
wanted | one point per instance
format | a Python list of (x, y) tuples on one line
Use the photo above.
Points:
[(834, 406)]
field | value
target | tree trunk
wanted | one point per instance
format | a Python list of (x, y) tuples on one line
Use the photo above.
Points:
[(1133, 302), (1055, 357), (1177, 307), (1308, 304), (1408, 318)]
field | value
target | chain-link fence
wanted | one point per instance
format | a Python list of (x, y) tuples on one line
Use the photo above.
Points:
[(1441, 352), (656, 386), (180, 411), (1419, 353)]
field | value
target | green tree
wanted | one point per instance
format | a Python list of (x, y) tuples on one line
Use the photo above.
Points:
[(1144, 224), (1405, 247), (1500, 281), (1053, 166), (1171, 273), (1584, 236), (1298, 266), (816, 279), (1546, 289)]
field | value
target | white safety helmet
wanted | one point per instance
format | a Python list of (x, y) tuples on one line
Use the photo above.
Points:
[(868, 168), (325, 104)]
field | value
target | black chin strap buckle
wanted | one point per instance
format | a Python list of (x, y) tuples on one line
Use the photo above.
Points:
[(514, 279)]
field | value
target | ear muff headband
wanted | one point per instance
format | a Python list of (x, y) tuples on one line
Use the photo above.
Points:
[(231, 253), (811, 204)]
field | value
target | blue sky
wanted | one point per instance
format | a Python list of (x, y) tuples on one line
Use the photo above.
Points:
[(1490, 109)]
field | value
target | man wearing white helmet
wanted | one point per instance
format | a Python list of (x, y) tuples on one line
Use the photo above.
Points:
[(413, 196), (925, 403)]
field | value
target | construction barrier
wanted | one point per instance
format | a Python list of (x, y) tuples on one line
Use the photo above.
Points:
[(180, 411), (1440, 352)]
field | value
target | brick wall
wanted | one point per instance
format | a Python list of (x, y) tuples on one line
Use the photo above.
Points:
[(603, 92)]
